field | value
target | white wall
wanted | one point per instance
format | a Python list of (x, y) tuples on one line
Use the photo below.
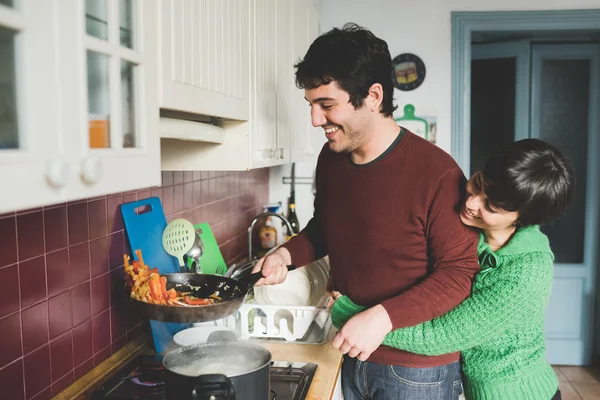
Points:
[(421, 27)]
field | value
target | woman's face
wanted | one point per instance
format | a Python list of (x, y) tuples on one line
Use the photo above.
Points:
[(480, 213)]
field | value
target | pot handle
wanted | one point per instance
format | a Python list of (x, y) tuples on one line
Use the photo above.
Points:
[(251, 279), (213, 386)]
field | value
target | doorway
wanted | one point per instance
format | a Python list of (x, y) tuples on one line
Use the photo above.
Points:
[(544, 84)]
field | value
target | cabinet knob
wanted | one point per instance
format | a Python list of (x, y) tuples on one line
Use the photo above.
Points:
[(91, 171), (58, 173)]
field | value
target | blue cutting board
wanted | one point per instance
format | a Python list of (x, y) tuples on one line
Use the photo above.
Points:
[(144, 223)]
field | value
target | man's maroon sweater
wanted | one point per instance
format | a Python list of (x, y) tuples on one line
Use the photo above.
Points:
[(393, 235)]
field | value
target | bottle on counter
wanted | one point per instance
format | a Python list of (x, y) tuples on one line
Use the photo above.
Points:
[(292, 217)]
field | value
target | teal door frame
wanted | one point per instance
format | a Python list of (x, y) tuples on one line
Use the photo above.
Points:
[(463, 24)]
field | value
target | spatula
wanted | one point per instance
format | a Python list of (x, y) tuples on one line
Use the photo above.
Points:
[(178, 238)]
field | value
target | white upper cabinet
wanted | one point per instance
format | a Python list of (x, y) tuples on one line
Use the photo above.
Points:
[(204, 48), (79, 81), (277, 130)]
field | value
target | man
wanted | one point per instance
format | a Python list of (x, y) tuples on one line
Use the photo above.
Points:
[(386, 214)]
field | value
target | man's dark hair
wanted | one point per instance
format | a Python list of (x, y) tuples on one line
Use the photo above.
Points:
[(532, 177), (353, 57)]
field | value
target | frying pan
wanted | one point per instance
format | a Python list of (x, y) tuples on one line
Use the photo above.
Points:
[(231, 291)]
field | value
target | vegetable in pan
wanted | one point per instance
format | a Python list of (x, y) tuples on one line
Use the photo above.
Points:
[(148, 286)]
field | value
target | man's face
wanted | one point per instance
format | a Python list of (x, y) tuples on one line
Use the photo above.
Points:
[(345, 128)]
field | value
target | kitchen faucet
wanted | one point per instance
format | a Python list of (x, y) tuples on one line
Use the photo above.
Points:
[(266, 214)]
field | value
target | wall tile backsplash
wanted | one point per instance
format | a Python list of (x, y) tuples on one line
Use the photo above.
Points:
[(62, 306)]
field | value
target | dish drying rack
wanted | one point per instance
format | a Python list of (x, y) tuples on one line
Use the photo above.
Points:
[(299, 324)]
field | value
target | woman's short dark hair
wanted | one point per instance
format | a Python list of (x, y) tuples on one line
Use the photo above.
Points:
[(354, 58), (532, 177)]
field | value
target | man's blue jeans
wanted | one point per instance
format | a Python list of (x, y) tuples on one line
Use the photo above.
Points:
[(369, 381)]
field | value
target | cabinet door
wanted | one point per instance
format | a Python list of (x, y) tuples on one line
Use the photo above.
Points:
[(286, 88), (306, 140), (31, 172), (263, 80), (204, 57), (108, 69)]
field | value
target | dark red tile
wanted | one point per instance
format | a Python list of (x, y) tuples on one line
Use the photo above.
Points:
[(9, 296), (168, 200), (99, 256), (133, 318), (197, 194), (58, 273), (117, 287), (11, 379), (59, 314), (37, 371), (188, 176), (82, 342), (35, 326), (100, 294), (30, 235), (8, 238), (129, 197), (144, 194), (84, 368), (55, 226), (135, 331), (79, 263), (188, 196), (61, 355), (204, 192), (196, 175), (167, 178), (118, 344), (62, 383), (45, 394), (177, 198), (77, 215), (32, 275), (102, 355), (113, 209), (197, 215), (118, 321), (177, 177), (101, 331), (10, 345), (97, 218), (81, 303), (115, 252)]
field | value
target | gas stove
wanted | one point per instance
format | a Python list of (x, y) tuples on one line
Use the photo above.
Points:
[(143, 378)]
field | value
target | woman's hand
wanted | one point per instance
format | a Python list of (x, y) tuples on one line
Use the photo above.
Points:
[(333, 296)]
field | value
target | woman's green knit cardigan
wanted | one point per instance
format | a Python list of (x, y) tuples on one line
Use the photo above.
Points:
[(499, 329)]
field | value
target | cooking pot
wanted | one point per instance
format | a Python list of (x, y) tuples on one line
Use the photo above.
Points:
[(218, 371)]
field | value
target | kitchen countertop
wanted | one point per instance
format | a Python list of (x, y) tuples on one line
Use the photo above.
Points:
[(328, 359)]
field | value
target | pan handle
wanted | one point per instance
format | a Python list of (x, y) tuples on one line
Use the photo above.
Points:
[(251, 279), (214, 386)]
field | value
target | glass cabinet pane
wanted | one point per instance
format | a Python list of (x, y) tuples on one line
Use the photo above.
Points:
[(98, 100), (126, 23), (128, 102), (565, 94), (96, 18), (9, 129)]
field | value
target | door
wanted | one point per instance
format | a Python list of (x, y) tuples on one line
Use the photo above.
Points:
[(500, 69), (108, 52), (564, 112), (550, 92), (30, 150)]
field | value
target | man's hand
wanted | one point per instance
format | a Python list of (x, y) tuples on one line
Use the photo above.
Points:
[(363, 333), (274, 267)]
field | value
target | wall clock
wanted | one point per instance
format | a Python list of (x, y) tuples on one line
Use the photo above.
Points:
[(409, 71)]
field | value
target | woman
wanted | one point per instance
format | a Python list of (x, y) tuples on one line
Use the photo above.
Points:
[(500, 328)]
